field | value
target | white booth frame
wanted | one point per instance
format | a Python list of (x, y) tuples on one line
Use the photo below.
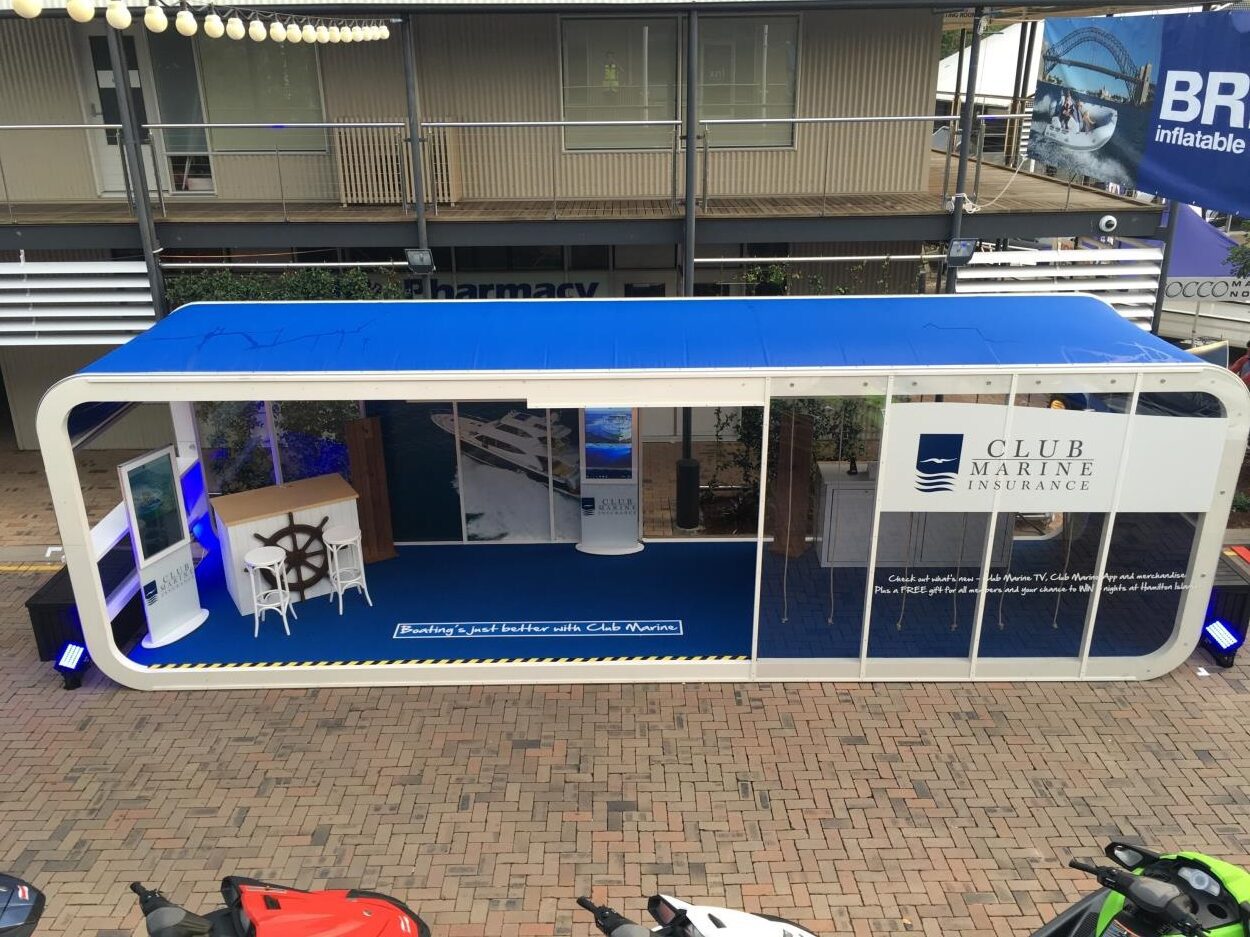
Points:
[(624, 388)]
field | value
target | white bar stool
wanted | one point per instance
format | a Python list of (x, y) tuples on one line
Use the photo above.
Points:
[(266, 598), (347, 562)]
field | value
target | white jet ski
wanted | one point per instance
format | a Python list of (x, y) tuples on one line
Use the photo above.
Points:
[(1077, 135)]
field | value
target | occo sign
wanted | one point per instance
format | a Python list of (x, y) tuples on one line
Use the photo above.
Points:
[(1229, 289)]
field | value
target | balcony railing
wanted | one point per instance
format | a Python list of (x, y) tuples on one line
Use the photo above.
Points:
[(526, 170)]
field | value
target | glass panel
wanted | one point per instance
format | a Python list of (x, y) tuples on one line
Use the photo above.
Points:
[(504, 471), (1036, 602), (1179, 403), (726, 443), (234, 446), (926, 581), (566, 473), (1144, 579), (619, 69), (177, 93), (262, 82), (928, 563), (420, 454), (311, 437), (817, 522), (748, 71)]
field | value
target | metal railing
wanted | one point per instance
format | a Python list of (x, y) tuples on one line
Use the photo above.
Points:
[(53, 164), (826, 136), (526, 168), (285, 165)]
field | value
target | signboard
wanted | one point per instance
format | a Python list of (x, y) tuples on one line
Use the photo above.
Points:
[(609, 492), (152, 489), (1216, 289), (1157, 103), (960, 457), (511, 285)]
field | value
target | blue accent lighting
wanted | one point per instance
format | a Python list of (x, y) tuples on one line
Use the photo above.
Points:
[(71, 664), (72, 657), (1222, 636)]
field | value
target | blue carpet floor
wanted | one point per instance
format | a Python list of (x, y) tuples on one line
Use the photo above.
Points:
[(708, 587)]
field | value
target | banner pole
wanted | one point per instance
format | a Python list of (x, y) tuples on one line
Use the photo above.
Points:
[(1169, 235), (965, 136)]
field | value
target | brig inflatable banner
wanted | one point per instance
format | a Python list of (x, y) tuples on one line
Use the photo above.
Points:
[(1157, 103)]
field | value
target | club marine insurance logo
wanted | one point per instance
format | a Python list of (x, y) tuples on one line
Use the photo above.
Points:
[(937, 461)]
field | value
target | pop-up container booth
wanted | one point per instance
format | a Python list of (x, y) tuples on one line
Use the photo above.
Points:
[(930, 487)]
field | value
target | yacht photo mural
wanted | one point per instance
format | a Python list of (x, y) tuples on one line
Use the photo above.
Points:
[(1092, 110), (517, 477), (518, 471)]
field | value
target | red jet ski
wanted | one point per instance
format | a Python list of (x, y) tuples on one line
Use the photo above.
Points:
[(259, 909)]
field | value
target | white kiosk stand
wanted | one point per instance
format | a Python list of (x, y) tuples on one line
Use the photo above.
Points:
[(152, 488), (609, 481)]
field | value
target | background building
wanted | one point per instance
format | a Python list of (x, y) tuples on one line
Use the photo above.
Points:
[(814, 139)]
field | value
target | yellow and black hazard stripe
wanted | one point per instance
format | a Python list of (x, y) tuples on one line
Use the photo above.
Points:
[(421, 662)]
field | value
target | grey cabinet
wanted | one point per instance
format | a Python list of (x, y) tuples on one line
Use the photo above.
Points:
[(844, 528)]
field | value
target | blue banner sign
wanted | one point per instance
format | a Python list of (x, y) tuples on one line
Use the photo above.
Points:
[(1155, 103), (538, 629)]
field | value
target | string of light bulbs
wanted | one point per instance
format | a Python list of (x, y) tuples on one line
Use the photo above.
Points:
[(232, 22)]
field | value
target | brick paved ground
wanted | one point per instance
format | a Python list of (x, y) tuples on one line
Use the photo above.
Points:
[(855, 809), (26, 517)]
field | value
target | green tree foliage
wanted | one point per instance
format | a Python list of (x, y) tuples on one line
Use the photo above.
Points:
[(306, 283), (234, 436), (1239, 254)]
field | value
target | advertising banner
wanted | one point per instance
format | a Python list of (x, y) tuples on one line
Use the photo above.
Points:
[(961, 457), (1157, 103)]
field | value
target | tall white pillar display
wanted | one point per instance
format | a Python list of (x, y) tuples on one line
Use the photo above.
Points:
[(152, 487), (610, 493)]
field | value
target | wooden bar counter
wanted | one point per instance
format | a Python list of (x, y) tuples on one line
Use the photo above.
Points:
[(293, 516)]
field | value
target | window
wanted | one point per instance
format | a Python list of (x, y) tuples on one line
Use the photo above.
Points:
[(178, 95), (747, 70), (628, 69), (619, 69), (262, 83)]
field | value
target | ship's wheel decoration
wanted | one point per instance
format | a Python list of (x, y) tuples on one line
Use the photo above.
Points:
[(305, 547)]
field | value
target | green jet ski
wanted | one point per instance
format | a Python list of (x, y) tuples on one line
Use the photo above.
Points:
[(1153, 895)]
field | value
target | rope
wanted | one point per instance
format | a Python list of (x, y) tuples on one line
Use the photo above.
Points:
[(785, 571), (959, 565), (970, 206), (902, 609), (837, 527), (1067, 536)]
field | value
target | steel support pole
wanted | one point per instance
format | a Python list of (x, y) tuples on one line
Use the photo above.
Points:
[(692, 151), (1024, 89), (688, 466), (133, 155), (408, 37), (1009, 127), (1169, 235), (959, 75), (965, 136)]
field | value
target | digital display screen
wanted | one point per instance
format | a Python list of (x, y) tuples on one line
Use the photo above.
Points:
[(154, 501), (609, 444)]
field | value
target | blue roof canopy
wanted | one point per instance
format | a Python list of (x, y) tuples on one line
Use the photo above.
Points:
[(616, 334)]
